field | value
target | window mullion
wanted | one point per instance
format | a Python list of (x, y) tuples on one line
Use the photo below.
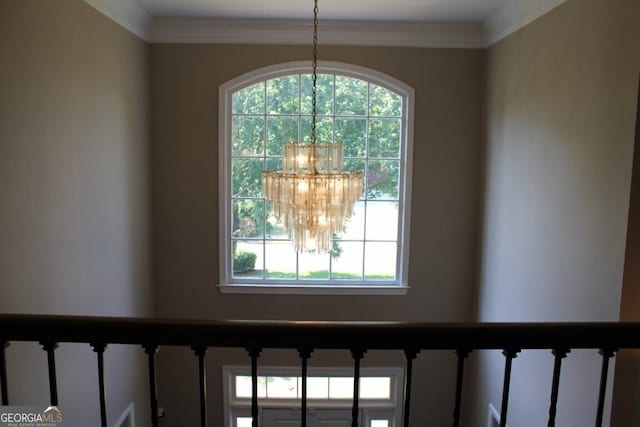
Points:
[(299, 140), (366, 183), (264, 202)]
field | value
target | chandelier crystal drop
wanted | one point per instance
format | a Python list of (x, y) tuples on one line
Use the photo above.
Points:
[(312, 195)]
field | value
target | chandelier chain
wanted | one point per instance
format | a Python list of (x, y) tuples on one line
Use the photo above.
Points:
[(312, 194), (315, 67)]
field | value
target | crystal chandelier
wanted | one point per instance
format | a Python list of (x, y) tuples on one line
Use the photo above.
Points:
[(312, 195)]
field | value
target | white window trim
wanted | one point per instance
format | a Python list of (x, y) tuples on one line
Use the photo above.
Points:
[(352, 287), (371, 407)]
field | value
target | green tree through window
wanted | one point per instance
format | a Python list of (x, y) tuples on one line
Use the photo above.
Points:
[(369, 119)]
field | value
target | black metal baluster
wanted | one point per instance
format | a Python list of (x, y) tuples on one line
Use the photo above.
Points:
[(409, 355), (151, 350), (462, 355), (99, 349), (304, 355), (606, 355), (357, 356), (202, 375), (509, 356), (254, 353), (50, 348), (4, 387), (559, 355)]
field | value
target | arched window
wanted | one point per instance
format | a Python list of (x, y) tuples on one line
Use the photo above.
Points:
[(371, 114)]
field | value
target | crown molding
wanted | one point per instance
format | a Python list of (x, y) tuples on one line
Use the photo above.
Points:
[(514, 15), (358, 33), (126, 13)]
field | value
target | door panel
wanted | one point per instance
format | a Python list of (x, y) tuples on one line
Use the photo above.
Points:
[(334, 418), (281, 418), (272, 417)]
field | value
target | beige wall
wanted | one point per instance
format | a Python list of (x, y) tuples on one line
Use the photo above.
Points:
[(74, 185), (560, 113), (626, 397), (185, 81)]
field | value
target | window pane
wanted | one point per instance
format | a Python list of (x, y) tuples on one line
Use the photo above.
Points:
[(249, 100), (351, 96), (282, 95), (353, 165), (243, 386), (324, 98), (348, 265), (317, 387), (375, 388), (282, 387), (246, 422), (280, 129), (340, 387), (280, 260), (380, 261), (382, 179), (353, 134), (384, 138), (354, 227), (274, 164), (383, 102), (376, 423), (247, 136), (313, 266), (247, 258), (324, 129), (248, 218), (247, 177), (382, 221), (274, 228)]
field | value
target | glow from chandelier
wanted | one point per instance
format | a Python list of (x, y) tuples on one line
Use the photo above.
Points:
[(313, 196)]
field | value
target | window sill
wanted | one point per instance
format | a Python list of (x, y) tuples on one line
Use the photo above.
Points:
[(279, 289)]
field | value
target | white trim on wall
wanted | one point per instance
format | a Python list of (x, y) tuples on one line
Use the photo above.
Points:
[(514, 15), (391, 407), (312, 289), (229, 284), (353, 33), (129, 415), (493, 416), (126, 13)]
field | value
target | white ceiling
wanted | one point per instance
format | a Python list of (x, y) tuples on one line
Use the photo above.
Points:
[(369, 10)]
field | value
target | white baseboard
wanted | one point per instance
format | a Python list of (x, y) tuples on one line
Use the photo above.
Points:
[(128, 417)]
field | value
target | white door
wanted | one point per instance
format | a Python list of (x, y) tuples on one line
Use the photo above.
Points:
[(272, 417)]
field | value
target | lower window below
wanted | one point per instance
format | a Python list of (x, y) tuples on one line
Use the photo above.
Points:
[(329, 397)]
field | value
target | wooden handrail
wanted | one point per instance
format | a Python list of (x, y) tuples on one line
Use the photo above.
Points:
[(306, 336), (319, 334)]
